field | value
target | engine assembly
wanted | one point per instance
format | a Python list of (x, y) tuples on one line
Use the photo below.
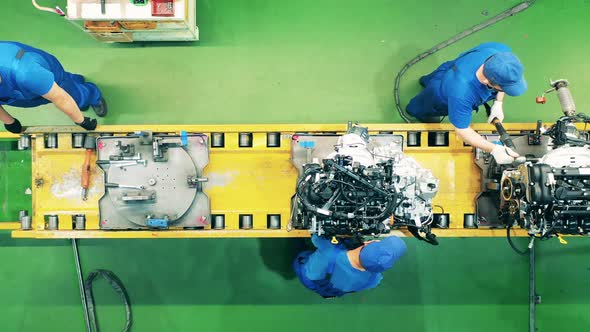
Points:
[(547, 192), (363, 185), (548, 198)]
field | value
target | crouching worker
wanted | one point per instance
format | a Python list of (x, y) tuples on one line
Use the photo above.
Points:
[(333, 271)]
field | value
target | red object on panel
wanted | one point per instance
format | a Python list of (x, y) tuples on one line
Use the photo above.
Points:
[(162, 7)]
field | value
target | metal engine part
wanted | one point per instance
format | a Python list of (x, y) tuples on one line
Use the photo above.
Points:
[(547, 194), (547, 199), (364, 185), (153, 181)]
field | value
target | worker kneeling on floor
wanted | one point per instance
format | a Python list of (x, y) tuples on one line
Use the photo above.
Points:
[(30, 77), (458, 87), (333, 271)]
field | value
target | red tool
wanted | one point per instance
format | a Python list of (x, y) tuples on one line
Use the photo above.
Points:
[(90, 146)]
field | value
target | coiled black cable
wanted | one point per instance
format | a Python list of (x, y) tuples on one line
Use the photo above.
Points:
[(117, 285), (512, 243)]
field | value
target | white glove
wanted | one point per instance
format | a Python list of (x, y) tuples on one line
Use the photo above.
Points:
[(504, 155), (496, 112)]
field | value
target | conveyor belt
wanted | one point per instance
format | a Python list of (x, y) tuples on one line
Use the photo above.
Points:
[(257, 180)]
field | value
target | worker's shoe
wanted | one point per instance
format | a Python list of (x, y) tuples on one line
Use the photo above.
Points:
[(430, 119), (15, 127), (100, 109), (423, 81), (406, 116)]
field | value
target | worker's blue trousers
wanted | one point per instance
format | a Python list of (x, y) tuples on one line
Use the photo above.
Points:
[(429, 103), (85, 94), (322, 287)]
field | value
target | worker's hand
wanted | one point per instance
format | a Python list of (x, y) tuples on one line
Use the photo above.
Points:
[(15, 127), (496, 112), (504, 155), (88, 123)]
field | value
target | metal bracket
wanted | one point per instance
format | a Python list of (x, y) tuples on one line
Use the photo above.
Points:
[(125, 150), (145, 137), (194, 181), (160, 146)]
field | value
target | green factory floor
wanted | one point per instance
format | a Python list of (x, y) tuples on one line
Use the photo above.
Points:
[(264, 61)]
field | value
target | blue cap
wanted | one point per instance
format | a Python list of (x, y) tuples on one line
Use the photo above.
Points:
[(380, 255), (506, 70)]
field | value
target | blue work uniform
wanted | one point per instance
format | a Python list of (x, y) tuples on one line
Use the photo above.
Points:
[(27, 73), (453, 88), (328, 272)]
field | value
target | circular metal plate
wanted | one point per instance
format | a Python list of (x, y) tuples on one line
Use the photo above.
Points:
[(173, 196)]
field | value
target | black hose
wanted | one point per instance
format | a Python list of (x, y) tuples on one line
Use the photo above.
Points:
[(391, 198), (428, 237), (388, 211), (355, 177), (301, 187), (505, 14), (304, 184), (117, 285), (512, 243), (353, 191)]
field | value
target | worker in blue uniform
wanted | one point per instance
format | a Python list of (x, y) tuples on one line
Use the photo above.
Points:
[(458, 87), (30, 77), (333, 271)]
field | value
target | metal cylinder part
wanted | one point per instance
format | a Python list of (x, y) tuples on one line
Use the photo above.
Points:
[(245, 140), (25, 223), (24, 142), (413, 138), (217, 140), (273, 140), (274, 221), (79, 222), (245, 221), (566, 100), (52, 222), (152, 182), (439, 138), (441, 220), (469, 220), (51, 141), (218, 221), (89, 142), (78, 140), (22, 213)]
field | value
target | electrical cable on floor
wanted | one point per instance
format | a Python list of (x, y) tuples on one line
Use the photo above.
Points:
[(55, 10), (512, 243), (505, 14), (117, 285), (87, 295)]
